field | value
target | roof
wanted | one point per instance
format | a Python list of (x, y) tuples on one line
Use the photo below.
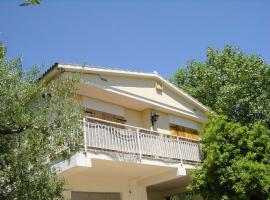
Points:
[(115, 71)]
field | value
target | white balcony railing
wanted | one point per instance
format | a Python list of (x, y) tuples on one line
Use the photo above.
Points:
[(116, 137)]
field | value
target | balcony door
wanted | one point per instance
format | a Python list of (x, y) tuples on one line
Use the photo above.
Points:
[(95, 196)]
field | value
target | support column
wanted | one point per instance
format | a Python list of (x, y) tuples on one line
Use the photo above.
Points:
[(137, 191), (142, 193)]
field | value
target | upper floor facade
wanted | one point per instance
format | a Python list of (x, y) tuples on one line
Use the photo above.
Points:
[(136, 113)]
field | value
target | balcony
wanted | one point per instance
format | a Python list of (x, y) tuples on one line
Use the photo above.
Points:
[(106, 136)]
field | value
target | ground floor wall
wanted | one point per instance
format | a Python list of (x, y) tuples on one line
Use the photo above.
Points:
[(128, 189), (94, 184)]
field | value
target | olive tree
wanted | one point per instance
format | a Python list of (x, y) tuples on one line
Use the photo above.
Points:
[(39, 122)]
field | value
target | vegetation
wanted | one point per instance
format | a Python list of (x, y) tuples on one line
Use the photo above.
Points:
[(36, 120), (235, 140), (180, 196), (231, 83), (237, 164), (30, 2), (2, 51)]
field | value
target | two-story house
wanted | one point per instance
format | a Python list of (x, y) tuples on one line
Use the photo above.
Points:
[(140, 136)]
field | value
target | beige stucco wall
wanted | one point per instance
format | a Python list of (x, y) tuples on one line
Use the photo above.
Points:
[(97, 184), (102, 106), (141, 87), (163, 123), (133, 117), (146, 118), (146, 89)]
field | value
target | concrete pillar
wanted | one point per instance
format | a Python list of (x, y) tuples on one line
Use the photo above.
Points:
[(142, 193), (137, 191)]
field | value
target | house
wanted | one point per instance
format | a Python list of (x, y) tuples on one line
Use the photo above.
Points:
[(140, 136)]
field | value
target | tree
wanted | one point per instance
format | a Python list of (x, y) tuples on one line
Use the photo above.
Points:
[(37, 120), (2, 50), (235, 140), (230, 83), (31, 2), (236, 164)]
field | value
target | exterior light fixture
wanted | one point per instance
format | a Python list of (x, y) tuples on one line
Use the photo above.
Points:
[(154, 118)]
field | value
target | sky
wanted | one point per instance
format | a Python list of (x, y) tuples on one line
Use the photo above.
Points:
[(137, 35)]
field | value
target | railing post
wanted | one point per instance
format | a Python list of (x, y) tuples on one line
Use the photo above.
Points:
[(84, 135), (162, 146), (180, 151), (139, 143)]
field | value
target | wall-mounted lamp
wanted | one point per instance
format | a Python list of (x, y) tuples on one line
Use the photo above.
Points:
[(154, 118)]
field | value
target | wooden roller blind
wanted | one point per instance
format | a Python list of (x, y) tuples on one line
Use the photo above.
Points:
[(184, 132), (105, 116)]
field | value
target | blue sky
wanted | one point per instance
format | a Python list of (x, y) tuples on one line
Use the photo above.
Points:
[(138, 35)]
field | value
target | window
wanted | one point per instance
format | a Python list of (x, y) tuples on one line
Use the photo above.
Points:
[(184, 132), (105, 116)]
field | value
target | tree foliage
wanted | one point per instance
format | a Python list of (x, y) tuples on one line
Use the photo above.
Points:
[(2, 51), (237, 161), (231, 83), (37, 119), (235, 140), (30, 2)]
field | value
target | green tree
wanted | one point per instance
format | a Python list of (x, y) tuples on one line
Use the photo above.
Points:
[(2, 50), (231, 83), (237, 161), (30, 2), (37, 120), (235, 141)]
